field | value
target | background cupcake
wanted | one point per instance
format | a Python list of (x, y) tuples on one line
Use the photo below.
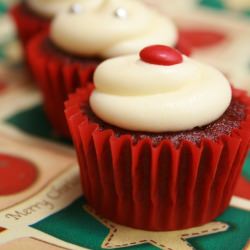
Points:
[(154, 149), (33, 16), (82, 37)]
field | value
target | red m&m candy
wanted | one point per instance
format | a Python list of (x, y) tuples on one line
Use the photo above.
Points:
[(161, 55)]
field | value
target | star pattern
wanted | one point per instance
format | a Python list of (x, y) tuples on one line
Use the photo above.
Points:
[(121, 236)]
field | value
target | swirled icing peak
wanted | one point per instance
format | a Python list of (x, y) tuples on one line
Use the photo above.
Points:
[(140, 96), (111, 28), (49, 8)]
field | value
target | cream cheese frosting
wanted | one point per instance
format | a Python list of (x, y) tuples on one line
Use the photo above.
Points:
[(138, 96), (49, 8), (110, 28)]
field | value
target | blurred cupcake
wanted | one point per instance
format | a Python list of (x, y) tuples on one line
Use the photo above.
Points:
[(160, 139), (85, 35), (33, 16)]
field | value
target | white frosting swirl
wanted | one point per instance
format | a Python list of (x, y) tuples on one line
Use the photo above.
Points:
[(138, 96), (99, 31), (49, 8)]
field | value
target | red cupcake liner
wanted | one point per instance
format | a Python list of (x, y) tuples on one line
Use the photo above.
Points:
[(160, 187), (28, 24), (56, 79)]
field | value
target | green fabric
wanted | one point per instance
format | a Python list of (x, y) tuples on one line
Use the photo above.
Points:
[(216, 4), (246, 169), (3, 8), (74, 225), (234, 239), (34, 122)]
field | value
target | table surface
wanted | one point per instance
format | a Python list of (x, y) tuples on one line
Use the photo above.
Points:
[(46, 209)]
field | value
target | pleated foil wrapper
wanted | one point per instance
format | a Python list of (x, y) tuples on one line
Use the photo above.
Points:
[(28, 24), (56, 78), (160, 187)]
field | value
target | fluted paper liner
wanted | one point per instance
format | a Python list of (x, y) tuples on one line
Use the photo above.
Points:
[(28, 24), (56, 79), (156, 187)]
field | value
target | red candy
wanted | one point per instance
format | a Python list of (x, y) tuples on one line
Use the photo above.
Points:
[(161, 55)]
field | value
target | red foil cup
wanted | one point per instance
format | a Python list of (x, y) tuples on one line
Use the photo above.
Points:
[(56, 78), (156, 187), (28, 23)]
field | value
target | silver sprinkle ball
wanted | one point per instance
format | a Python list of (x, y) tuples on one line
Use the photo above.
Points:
[(121, 13), (76, 8)]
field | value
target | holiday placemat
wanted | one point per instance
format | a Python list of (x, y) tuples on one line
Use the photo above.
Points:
[(41, 202)]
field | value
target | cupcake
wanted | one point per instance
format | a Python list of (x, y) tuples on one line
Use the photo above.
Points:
[(33, 16), (82, 37), (160, 139)]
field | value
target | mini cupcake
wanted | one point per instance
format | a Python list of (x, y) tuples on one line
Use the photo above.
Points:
[(33, 16), (161, 140), (85, 35)]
